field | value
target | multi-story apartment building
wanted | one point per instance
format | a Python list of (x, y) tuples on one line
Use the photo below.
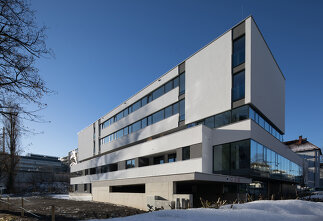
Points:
[(311, 154), (210, 127)]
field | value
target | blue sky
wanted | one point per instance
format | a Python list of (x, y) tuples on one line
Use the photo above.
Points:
[(106, 51)]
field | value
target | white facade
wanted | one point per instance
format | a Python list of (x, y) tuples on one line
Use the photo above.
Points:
[(211, 76)]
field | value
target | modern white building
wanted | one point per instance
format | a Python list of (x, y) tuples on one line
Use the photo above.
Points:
[(210, 127)]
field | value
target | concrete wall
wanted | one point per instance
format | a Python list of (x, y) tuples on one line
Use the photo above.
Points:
[(267, 83), (172, 141), (208, 80), (85, 143)]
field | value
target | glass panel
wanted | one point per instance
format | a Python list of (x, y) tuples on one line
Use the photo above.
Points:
[(176, 82), (222, 119), (251, 113), (171, 157), (186, 153), (150, 98), (240, 113), (240, 155), (125, 112), (144, 123), (209, 122), (119, 116), (136, 126), (182, 83), (175, 108), (159, 160), (149, 120), (136, 105), (125, 131), (261, 122), (238, 51), (144, 101), (168, 111), (119, 134), (238, 87), (158, 116), (182, 110), (130, 164), (158, 92), (168, 86)]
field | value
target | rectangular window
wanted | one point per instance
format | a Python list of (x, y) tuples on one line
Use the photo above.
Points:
[(158, 92), (144, 123), (119, 116), (221, 157), (144, 101), (158, 116), (85, 187), (171, 157), (159, 160), (76, 187), (209, 122), (149, 120), (168, 111), (175, 108), (182, 83), (125, 112), (143, 162), (238, 86), (182, 110), (136, 105), (238, 56), (136, 126), (149, 98), (240, 113), (168, 86), (222, 119), (119, 134), (186, 153), (130, 163), (125, 131), (176, 82)]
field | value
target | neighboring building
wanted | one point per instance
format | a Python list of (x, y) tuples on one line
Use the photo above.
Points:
[(210, 127), (321, 176), (41, 173), (312, 154)]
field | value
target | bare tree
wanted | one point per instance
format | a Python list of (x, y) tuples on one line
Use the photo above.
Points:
[(21, 43), (12, 139)]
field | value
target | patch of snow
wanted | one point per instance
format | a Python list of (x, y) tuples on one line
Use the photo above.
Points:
[(264, 210), (60, 196)]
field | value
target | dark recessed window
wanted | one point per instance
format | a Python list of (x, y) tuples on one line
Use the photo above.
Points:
[(240, 113), (238, 86), (222, 119), (209, 122), (171, 157), (136, 105), (168, 86), (85, 187), (182, 83), (136, 126), (143, 162), (182, 110), (238, 56), (130, 163), (186, 152), (159, 160)]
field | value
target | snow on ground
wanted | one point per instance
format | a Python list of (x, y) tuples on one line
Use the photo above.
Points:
[(60, 196), (265, 210)]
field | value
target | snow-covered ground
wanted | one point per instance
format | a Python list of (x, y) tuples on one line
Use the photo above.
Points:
[(60, 196), (280, 210)]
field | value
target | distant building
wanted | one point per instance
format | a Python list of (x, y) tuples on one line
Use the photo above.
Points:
[(321, 176), (312, 154), (39, 173)]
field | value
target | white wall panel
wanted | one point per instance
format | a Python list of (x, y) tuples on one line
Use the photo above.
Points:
[(208, 80)]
